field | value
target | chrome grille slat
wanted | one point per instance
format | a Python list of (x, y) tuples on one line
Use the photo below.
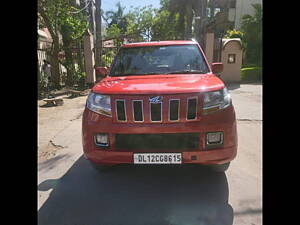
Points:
[(156, 112), (178, 109), (191, 111), (174, 109), (137, 110), (121, 110)]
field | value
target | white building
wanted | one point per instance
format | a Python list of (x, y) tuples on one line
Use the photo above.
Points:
[(233, 10), (243, 7)]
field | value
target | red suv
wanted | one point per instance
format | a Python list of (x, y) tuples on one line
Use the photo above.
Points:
[(160, 103)]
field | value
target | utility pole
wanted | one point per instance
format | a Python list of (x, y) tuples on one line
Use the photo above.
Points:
[(203, 23), (98, 48)]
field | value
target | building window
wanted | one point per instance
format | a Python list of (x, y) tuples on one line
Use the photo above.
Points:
[(216, 11), (231, 58)]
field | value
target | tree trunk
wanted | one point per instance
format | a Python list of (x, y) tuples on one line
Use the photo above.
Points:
[(54, 61), (67, 44), (98, 34), (79, 60), (80, 56), (189, 17), (181, 26), (70, 65), (55, 72)]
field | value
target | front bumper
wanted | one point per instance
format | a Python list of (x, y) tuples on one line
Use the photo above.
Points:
[(217, 156), (224, 120)]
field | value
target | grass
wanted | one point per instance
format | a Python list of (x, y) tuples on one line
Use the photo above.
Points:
[(251, 73)]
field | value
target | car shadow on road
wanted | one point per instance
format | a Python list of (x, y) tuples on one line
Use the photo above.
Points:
[(136, 195)]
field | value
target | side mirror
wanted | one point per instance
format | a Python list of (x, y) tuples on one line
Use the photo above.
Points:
[(102, 71), (217, 68)]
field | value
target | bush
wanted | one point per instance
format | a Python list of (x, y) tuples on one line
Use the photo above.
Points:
[(107, 58), (234, 34), (251, 73), (79, 77), (249, 65), (252, 29)]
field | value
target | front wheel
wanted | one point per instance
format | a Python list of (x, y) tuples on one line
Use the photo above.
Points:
[(220, 167)]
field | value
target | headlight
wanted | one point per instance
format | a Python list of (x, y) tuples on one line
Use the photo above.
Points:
[(99, 104), (216, 100)]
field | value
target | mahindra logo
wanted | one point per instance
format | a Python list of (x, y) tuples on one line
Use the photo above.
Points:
[(156, 99)]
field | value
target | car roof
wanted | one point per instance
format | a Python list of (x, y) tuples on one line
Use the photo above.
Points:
[(158, 43)]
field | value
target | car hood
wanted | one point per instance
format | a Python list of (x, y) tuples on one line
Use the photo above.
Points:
[(159, 84)]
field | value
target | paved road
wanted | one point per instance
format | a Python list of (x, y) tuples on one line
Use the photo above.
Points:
[(71, 192)]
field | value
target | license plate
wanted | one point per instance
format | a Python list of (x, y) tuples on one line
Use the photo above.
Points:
[(157, 158)]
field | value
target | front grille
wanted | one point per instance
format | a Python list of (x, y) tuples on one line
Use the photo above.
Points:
[(171, 109), (158, 142)]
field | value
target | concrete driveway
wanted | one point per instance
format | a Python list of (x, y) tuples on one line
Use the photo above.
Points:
[(71, 192)]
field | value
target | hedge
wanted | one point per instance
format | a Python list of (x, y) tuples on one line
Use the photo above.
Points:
[(251, 73)]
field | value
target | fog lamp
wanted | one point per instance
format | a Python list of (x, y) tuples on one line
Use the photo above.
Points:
[(101, 139), (214, 138)]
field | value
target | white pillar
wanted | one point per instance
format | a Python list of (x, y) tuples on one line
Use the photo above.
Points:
[(89, 58), (209, 48)]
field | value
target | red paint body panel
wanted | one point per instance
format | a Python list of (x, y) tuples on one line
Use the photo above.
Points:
[(159, 84), (179, 86), (220, 121)]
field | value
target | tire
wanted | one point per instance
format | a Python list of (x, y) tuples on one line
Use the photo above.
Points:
[(100, 167), (220, 168)]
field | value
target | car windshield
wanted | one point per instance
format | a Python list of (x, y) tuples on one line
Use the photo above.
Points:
[(173, 59)]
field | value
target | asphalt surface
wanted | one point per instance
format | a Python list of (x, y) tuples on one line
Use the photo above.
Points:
[(71, 192)]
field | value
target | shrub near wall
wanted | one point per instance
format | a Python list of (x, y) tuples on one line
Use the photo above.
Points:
[(253, 73)]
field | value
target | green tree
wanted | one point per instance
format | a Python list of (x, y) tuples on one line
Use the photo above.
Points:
[(189, 10), (61, 17), (172, 21), (47, 14), (252, 28), (140, 23), (146, 17), (167, 24), (117, 18), (133, 28), (73, 25), (114, 32)]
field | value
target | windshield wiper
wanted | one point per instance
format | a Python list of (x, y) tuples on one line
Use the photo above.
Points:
[(134, 74), (185, 71), (127, 74), (152, 73)]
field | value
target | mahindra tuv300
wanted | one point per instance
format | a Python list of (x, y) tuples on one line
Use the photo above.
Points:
[(160, 103)]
